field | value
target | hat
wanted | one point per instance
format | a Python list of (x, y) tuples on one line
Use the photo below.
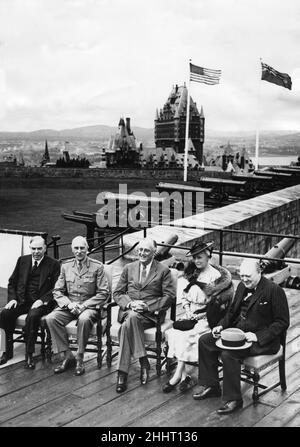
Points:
[(199, 247), (233, 338)]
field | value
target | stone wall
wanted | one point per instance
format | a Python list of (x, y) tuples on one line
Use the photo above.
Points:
[(276, 212), (121, 174), (284, 220)]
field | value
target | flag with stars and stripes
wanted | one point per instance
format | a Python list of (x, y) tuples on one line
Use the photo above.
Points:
[(205, 75), (271, 75)]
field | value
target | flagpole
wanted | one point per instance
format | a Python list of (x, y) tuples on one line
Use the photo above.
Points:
[(187, 126), (256, 163)]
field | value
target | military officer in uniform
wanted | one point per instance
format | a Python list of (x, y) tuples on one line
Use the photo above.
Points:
[(81, 287)]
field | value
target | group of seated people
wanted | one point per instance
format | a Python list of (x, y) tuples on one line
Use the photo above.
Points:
[(40, 287)]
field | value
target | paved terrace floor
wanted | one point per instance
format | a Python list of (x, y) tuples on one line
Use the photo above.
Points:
[(40, 398)]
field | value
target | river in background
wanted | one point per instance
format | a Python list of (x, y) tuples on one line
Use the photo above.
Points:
[(277, 161)]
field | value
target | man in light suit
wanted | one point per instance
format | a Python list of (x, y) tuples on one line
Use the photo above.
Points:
[(29, 292), (80, 288), (145, 286), (260, 309)]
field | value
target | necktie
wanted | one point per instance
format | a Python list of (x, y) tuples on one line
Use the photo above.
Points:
[(79, 266), (143, 274), (35, 266), (248, 291)]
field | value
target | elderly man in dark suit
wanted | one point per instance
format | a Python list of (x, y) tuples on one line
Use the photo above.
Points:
[(29, 292), (145, 286), (260, 309)]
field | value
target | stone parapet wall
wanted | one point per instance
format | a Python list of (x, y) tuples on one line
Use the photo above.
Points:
[(121, 174), (276, 212)]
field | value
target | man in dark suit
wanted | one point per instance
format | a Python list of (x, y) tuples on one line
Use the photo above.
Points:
[(260, 309), (145, 286), (29, 291)]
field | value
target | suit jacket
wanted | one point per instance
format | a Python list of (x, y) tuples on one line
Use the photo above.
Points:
[(89, 287), (267, 315), (49, 271), (158, 290)]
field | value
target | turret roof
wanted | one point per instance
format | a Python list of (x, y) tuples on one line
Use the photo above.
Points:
[(177, 102)]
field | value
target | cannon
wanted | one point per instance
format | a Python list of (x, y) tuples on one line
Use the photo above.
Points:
[(163, 250), (278, 251), (222, 188), (292, 282)]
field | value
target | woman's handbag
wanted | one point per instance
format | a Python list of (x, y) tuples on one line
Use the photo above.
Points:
[(184, 325)]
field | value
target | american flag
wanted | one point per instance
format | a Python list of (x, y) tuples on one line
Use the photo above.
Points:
[(206, 75)]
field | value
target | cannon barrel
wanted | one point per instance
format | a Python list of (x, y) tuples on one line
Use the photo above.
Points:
[(278, 251), (162, 251)]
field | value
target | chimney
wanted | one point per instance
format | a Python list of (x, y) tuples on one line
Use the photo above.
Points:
[(128, 125), (121, 122)]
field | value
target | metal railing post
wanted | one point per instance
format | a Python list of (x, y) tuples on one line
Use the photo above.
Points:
[(221, 247), (55, 246), (103, 254)]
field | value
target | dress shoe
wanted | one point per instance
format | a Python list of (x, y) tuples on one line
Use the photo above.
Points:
[(29, 362), (230, 406), (168, 387), (79, 369), (66, 364), (207, 391), (144, 376), (121, 382), (5, 357), (185, 384)]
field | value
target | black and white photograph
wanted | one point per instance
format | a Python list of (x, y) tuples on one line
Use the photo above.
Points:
[(149, 216)]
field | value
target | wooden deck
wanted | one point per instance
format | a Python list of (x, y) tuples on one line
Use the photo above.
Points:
[(40, 398)]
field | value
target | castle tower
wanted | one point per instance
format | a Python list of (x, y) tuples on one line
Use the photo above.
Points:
[(171, 120)]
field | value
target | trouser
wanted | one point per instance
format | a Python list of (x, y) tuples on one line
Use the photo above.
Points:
[(8, 318), (208, 367), (59, 318), (132, 339)]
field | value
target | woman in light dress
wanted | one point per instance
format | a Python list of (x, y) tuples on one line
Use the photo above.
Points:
[(205, 299)]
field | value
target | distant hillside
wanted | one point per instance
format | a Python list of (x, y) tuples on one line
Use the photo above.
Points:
[(98, 131), (271, 142)]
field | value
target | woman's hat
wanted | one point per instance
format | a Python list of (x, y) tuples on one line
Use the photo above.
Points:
[(233, 338), (199, 247)]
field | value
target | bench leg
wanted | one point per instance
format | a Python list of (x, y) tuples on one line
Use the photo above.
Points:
[(43, 347), (48, 346), (282, 374), (158, 352), (109, 349), (99, 344), (168, 361), (255, 388)]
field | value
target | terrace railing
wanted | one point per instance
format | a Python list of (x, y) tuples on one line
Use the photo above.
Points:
[(222, 252)]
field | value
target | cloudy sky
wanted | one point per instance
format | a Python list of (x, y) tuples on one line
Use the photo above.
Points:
[(69, 63)]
